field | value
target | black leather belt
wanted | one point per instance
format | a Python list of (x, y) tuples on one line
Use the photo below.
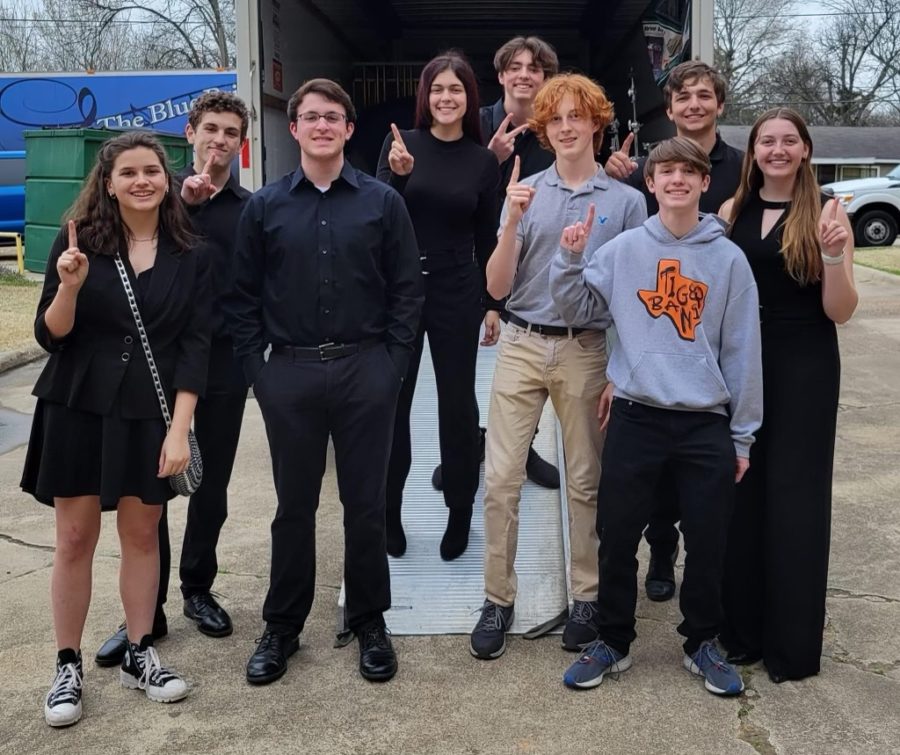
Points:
[(544, 330), (325, 351)]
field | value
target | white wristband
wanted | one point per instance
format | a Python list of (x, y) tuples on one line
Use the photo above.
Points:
[(828, 260)]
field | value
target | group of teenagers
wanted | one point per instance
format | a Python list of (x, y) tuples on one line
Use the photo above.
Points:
[(678, 310)]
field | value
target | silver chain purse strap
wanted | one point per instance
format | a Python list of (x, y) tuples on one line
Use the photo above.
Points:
[(187, 482)]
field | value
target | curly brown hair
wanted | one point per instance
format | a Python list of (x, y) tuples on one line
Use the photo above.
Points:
[(96, 214), (219, 102)]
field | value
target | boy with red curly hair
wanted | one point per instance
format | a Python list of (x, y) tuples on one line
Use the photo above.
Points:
[(540, 355)]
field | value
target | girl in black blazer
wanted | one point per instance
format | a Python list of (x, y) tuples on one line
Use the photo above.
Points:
[(98, 440)]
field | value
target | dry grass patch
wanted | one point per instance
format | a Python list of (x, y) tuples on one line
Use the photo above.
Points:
[(885, 258), (18, 303)]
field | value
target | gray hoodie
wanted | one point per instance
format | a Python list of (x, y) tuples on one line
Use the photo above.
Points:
[(687, 316)]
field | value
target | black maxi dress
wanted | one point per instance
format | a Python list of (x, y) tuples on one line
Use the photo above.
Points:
[(776, 567)]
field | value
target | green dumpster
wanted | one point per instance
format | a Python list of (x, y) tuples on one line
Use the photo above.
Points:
[(56, 164)]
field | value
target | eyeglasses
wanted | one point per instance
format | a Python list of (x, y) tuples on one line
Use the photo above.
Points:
[(311, 117)]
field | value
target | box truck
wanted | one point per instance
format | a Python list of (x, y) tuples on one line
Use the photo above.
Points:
[(376, 48)]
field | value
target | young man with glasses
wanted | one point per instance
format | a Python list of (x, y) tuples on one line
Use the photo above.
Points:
[(327, 274)]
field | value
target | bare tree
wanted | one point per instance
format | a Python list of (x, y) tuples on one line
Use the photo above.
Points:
[(179, 33), (849, 73), (748, 34), (18, 37)]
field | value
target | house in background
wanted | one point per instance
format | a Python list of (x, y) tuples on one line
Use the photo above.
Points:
[(841, 153)]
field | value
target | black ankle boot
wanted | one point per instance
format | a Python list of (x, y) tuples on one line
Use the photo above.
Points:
[(396, 538), (456, 538)]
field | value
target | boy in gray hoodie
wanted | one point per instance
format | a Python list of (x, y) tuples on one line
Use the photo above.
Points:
[(686, 383)]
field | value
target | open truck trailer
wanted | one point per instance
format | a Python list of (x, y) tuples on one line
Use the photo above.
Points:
[(376, 48)]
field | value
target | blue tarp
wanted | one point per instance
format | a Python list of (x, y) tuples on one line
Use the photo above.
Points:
[(158, 100)]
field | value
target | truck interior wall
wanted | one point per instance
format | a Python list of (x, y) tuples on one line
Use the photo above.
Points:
[(309, 40), (298, 39)]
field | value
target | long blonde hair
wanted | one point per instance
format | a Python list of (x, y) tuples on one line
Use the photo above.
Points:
[(800, 237)]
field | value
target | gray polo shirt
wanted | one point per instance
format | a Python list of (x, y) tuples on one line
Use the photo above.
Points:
[(554, 206)]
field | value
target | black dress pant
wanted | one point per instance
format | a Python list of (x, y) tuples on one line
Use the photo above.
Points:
[(451, 317), (661, 533), (351, 399), (217, 424), (697, 449), (776, 569)]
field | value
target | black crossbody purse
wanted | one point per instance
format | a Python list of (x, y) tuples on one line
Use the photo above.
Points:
[(187, 482)]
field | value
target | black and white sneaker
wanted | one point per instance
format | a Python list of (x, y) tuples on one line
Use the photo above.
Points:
[(488, 639), (141, 669), (63, 704)]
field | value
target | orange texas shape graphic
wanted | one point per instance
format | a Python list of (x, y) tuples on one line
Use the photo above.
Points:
[(681, 298)]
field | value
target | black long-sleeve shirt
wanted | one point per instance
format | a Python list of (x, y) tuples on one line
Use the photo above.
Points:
[(216, 221), (315, 267), (451, 195)]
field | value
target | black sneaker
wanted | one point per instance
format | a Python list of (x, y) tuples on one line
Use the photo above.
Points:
[(142, 669), (581, 628), (488, 639), (62, 706)]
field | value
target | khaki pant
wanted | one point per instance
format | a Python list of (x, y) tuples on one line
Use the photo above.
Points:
[(572, 372)]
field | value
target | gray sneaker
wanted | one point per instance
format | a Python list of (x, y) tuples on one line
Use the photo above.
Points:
[(488, 640)]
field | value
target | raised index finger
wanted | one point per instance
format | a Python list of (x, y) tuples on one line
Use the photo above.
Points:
[(73, 235), (209, 163), (397, 138), (834, 208), (626, 145), (588, 224), (514, 176)]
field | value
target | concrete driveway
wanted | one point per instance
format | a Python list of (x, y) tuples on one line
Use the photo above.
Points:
[(444, 701)]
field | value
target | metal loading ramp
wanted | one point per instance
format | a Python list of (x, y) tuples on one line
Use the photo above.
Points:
[(432, 596)]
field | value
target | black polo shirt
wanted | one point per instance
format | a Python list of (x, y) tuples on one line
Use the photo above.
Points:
[(334, 266), (724, 177)]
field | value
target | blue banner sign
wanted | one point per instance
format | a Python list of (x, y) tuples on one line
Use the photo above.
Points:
[(158, 100)]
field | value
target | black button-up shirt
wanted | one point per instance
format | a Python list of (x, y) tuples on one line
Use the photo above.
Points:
[(334, 266), (724, 177), (216, 221)]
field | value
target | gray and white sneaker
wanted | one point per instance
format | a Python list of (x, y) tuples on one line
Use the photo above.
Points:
[(141, 669), (63, 704)]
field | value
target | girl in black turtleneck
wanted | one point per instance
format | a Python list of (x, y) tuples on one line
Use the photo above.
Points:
[(449, 182)]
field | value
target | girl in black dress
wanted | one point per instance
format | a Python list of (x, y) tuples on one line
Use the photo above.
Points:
[(98, 440), (449, 182), (800, 247)]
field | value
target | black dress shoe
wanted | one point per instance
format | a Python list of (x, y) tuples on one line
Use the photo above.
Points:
[(437, 477), (112, 651), (212, 620), (743, 658), (269, 660), (660, 581), (540, 471), (377, 659)]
